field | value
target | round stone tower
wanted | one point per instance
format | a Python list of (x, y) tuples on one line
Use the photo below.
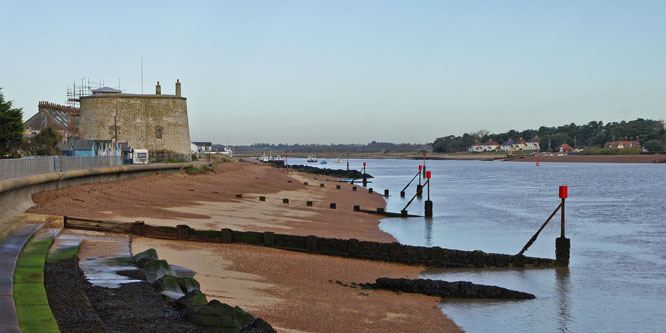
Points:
[(154, 122)]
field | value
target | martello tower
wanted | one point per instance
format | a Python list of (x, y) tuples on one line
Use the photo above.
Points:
[(155, 122)]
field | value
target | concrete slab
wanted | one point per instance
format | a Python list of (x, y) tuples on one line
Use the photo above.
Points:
[(6, 284), (8, 310), (10, 329), (10, 253), (26, 230), (7, 267)]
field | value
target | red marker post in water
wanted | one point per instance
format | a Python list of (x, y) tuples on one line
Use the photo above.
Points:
[(563, 195), (562, 244), (428, 203), (424, 165), (365, 180)]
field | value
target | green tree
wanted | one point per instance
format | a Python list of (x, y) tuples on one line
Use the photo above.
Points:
[(45, 143), (11, 128), (654, 145)]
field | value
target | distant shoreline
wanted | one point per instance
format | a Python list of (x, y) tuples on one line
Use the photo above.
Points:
[(656, 158)]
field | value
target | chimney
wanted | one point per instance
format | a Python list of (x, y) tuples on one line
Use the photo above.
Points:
[(178, 87), (158, 89)]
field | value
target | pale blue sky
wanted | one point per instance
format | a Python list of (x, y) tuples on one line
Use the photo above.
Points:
[(349, 71)]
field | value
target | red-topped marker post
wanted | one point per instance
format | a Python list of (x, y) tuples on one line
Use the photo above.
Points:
[(419, 187), (562, 244), (365, 179), (428, 203), (424, 167)]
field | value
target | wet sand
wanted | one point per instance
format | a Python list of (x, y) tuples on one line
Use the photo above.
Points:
[(209, 202), (297, 292), (290, 290)]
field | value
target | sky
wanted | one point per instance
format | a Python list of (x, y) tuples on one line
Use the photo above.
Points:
[(348, 71)]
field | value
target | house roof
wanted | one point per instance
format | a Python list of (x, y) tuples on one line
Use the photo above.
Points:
[(105, 90), (565, 147), (58, 120), (615, 144), (203, 144), (534, 139)]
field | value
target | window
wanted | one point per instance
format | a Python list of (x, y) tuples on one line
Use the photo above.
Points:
[(158, 132)]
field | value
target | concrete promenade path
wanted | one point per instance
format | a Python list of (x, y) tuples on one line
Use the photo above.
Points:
[(10, 249)]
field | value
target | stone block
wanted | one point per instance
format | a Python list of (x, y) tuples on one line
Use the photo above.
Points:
[(189, 285), (148, 254)]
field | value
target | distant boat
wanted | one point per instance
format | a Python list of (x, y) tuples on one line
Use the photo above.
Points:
[(324, 162), (312, 159), (339, 161)]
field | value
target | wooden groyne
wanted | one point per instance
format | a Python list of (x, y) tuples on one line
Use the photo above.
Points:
[(348, 248)]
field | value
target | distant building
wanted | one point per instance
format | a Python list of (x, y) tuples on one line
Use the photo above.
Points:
[(62, 119), (202, 147), (90, 148), (565, 148), (533, 144), (520, 144), (623, 143), (489, 145)]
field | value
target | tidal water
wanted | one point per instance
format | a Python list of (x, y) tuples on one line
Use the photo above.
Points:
[(615, 218)]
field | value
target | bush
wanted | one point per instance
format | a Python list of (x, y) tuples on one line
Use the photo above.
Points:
[(654, 145), (204, 169), (611, 151)]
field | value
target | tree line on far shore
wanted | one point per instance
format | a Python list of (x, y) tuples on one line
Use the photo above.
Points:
[(650, 133), (372, 147)]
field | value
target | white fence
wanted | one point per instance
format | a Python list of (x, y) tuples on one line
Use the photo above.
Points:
[(34, 165)]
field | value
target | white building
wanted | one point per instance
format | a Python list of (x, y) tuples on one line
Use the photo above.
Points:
[(489, 145)]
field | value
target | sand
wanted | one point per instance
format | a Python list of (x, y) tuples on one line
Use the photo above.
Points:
[(297, 292), (209, 202), (290, 290)]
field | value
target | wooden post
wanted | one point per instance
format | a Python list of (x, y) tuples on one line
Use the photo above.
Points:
[(562, 244)]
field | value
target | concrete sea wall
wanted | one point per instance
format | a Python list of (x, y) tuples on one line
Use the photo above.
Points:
[(16, 193)]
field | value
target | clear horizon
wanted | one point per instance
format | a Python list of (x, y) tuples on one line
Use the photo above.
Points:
[(350, 72)]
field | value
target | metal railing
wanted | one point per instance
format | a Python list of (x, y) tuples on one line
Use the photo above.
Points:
[(36, 165)]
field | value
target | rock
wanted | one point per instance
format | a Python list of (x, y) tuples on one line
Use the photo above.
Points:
[(220, 316), (171, 296), (192, 299), (243, 317), (258, 326), (181, 272), (459, 289), (189, 285), (148, 254), (154, 269), (168, 283), (338, 173)]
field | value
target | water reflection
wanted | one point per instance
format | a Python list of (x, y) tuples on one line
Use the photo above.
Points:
[(562, 288), (428, 232)]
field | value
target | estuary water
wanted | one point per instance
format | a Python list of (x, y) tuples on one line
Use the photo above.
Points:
[(616, 221)]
